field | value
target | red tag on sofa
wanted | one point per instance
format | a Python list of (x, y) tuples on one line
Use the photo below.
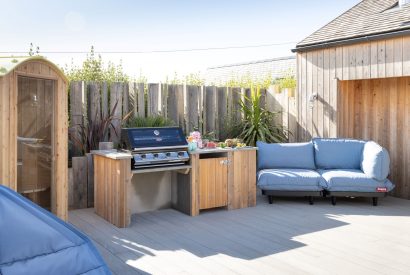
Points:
[(381, 189)]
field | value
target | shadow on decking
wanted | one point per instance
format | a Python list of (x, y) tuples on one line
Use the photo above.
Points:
[(248, 233)]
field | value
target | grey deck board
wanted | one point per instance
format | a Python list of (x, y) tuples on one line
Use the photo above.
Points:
[(287, 237)]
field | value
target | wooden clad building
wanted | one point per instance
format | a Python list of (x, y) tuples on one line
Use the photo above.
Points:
[(33, 131), (354, 81)]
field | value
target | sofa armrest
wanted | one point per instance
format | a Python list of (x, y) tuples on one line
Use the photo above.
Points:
[(375, 161)]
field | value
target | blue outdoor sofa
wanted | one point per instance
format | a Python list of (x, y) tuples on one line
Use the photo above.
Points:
[(34, 241), (324, 167)]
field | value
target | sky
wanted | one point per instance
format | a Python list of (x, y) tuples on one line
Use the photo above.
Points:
[(149, 26)]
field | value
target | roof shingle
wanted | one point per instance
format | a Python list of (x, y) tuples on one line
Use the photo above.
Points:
[(368, 17)]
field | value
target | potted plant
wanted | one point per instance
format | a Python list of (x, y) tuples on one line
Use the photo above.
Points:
[(258, 124)]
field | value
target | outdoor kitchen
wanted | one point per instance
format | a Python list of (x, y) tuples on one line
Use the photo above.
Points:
[(157, 168)]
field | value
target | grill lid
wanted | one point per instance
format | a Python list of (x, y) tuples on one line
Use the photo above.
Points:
[(155, 137)]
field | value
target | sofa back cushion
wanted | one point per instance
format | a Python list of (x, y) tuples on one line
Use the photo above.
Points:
[(285, 155), (335, 153), (376, 161)]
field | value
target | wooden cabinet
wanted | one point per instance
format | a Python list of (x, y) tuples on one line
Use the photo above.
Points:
[(214, 178), (213, 182)]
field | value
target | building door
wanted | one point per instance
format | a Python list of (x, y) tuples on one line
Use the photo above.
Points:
[(35, 138)]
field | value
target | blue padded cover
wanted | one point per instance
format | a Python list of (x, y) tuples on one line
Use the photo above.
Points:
[(33, 241), (285, 155), (352, 180), (333, 153), (376, 161), (290, 180)]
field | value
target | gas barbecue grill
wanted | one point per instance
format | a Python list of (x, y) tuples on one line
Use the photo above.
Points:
[(155, 147)]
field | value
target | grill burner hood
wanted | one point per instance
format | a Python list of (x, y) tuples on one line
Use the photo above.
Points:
[(141, 139), (155, 147)]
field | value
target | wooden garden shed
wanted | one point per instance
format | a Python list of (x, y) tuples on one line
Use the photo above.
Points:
[(354, 81), (33, 131)]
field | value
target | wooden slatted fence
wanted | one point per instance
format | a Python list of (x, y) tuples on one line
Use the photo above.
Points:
[(207, 108)]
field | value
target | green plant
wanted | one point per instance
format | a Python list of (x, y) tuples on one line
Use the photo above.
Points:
[(149, 121), (93, 69), (258, 123), (288, 81), (95, 130), (194, 79)]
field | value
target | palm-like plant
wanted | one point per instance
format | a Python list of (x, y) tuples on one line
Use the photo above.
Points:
[(89, 136), (258, 123)]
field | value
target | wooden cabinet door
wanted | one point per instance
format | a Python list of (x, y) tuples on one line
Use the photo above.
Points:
[(213, 182)]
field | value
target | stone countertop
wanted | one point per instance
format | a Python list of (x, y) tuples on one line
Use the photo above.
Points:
[(112, 154), (115, 154)]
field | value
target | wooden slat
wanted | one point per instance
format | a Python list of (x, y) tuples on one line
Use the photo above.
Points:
[(104, 103), (309, 92), (116, 93), (164, 100), (153, 99), (133, 94), (406, 56), (79, 165), (333, 94), (192, 99), (175, 104), (125, 100), (77, 107), (141, 99), (94, 102), (381, 59), (210, 109), (374, 73), (389, 59), (222, 110), (398, 57)]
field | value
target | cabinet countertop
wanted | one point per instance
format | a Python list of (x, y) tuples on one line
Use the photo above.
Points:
[(115, 154), (221, 150)]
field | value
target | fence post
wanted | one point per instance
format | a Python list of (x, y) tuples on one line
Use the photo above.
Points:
[(235, 109), (116, 92), (141, 99), (125, 99), (94, 102), (153, 99), (77, 112), (222, 110), (192, 107), (210, 109)]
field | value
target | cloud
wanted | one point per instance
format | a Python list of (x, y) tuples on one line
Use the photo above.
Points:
[(74, 21)]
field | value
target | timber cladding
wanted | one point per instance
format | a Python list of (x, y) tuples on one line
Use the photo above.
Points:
[(362, 93), (35, 68), (318, 72), (379, 110)]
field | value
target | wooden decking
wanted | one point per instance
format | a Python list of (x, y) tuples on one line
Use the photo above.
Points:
[(288, 237)]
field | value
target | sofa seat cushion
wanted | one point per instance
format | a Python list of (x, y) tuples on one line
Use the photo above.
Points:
[(353, 180), (337, 153), (290, 180), (285, 155)]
